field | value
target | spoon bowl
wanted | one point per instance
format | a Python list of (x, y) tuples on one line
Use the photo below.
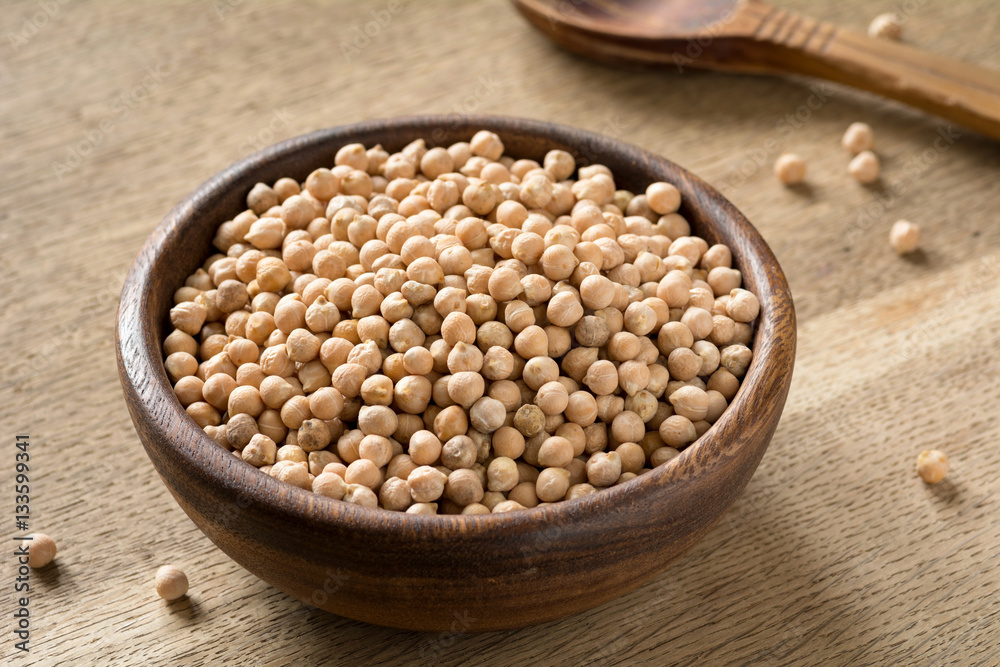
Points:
[(753, 36)]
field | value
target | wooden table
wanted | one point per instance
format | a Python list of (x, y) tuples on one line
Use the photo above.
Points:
[(836, 554)]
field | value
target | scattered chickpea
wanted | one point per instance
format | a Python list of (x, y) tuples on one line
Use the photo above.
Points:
[(41, 549), (858, 137), (790, 169), (932, 465), (886, 26), (171, 583), (904, 237), (865, 167)]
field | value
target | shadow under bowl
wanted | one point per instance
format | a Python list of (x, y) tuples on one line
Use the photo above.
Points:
[(486, 572)]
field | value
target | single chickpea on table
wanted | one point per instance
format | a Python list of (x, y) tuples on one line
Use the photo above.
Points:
[(886, 26), (857, 138), (171, 583), (865, 167), (790, 169), (904, 237), (932, 465), (453, 330), (41, 550)]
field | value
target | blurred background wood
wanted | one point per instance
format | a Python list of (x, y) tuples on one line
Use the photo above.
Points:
[(837, 553)]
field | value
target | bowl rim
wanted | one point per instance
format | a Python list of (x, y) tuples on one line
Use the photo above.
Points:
[(144, 376)]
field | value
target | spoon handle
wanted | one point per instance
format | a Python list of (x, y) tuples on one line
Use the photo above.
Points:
[(962, 93)]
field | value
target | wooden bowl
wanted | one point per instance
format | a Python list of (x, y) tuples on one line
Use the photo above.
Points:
[(437, 572)]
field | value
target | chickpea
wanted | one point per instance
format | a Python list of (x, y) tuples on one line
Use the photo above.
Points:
[(886, 26), (790, 169), (604, 469), (662, 455), (464, 487), (363, 472), (564, 309), (360, 494), (555, 452), (743, 306), (677, 431), (507, 506), (487, 415), (458, 327), (552, 484), (486, 144), (602, 378), (502, 474), (523, 495), (858, 137), (450, 422), (904, 237), (330, 484), (663, 198), (865, 167), (690, 402), (426, 484), (640, 319), (558, 262), (932, 465), (377, 420), (736, 359), (260, 451), (171, 583)]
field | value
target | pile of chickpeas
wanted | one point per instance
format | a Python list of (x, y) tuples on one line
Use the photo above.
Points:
[(450, 330)]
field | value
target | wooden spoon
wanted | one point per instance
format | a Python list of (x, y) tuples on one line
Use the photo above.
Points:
[(753, 36)]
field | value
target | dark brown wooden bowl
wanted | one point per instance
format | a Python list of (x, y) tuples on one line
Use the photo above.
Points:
[(433, 572)]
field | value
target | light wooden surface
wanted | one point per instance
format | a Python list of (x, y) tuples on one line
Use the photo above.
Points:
[(836, 554)]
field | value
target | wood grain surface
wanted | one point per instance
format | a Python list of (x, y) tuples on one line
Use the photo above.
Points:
[(111, 112)]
